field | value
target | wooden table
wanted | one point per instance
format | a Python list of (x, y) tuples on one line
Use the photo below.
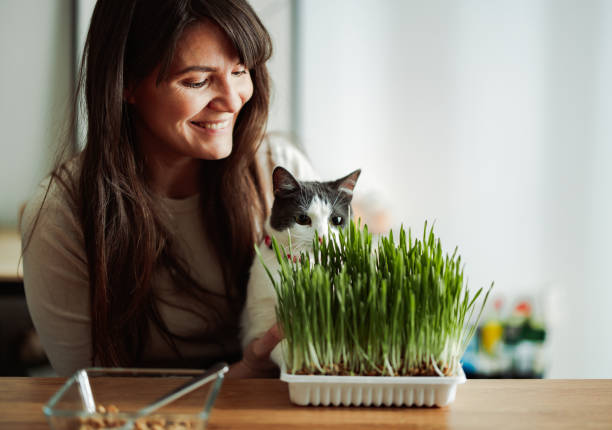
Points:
[(264, 404)]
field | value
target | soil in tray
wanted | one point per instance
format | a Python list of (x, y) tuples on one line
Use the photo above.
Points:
[(426, 369)]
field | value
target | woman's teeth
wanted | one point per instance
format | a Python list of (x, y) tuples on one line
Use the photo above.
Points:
[(212, 125)]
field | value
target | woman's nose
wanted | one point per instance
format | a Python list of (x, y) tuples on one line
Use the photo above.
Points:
[(227, 97)]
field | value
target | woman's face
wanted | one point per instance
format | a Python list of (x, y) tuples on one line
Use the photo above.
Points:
[(191, 114)]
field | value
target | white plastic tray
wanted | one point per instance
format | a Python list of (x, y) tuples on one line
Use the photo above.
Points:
[(372, 390)]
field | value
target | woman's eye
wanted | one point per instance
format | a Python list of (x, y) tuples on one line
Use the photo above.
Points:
[(303, 220), (337, 220), (196, 84), (240, 72)]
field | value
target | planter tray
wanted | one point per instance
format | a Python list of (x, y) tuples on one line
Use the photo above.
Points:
[(372, 390)]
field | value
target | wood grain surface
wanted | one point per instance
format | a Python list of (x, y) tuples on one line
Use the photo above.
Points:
[(264, 404)]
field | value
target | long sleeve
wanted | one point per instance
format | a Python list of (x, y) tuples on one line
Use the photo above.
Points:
[(56, 280)]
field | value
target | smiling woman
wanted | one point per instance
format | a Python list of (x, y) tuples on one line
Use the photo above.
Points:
[(137, 250), (190, 115)]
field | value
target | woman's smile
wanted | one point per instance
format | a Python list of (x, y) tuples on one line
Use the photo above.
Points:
[(213, 127)]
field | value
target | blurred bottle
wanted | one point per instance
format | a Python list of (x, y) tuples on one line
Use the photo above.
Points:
[(492, 330), (524, 338), (492, 363)]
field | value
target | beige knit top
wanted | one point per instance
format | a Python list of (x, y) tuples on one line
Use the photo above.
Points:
[(57, 289)]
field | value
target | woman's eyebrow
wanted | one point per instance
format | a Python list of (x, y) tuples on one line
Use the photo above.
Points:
[(196, 69)]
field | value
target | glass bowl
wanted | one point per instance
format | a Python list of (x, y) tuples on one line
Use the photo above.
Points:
[(111, 398)]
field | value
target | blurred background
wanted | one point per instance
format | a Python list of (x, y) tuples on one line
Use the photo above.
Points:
[(490, 118)]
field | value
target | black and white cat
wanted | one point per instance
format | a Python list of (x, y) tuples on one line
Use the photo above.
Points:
[(299, 208)]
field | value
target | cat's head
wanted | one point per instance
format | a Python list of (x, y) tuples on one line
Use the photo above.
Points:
[(301, 207)]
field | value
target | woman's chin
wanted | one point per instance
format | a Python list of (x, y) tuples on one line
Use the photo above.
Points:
[(216, 152)]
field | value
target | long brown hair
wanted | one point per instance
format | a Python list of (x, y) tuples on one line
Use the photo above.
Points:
[(126, 240)]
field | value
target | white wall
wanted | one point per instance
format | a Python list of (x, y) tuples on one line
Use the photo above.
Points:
[(491, 118), (35, 88), (276, 17)]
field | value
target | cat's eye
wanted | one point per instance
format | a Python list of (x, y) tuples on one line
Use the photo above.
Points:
[(303, 219), (337, 220)]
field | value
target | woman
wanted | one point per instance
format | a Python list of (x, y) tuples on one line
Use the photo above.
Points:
[(137, 251)]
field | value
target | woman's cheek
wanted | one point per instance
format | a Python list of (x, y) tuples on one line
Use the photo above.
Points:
[(187, 107), (248, 93)]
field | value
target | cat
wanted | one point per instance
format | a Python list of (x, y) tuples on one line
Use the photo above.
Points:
[(299, 208)]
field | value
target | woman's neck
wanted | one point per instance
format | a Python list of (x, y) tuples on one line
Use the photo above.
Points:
[(174, 179), (169, 174)]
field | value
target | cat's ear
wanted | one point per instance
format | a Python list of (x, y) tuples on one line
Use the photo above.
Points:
[(347, 184), (283, 181)]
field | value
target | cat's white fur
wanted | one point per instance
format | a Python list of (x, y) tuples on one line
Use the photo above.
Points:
[(259, 310)]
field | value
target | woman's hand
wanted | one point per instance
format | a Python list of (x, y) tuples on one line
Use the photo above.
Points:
[(256, 361)]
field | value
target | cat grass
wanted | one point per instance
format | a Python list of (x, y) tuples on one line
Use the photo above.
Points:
[(397, 309)]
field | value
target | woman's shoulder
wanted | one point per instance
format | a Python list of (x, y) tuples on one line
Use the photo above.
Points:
[(52, 203), (282, 150)]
